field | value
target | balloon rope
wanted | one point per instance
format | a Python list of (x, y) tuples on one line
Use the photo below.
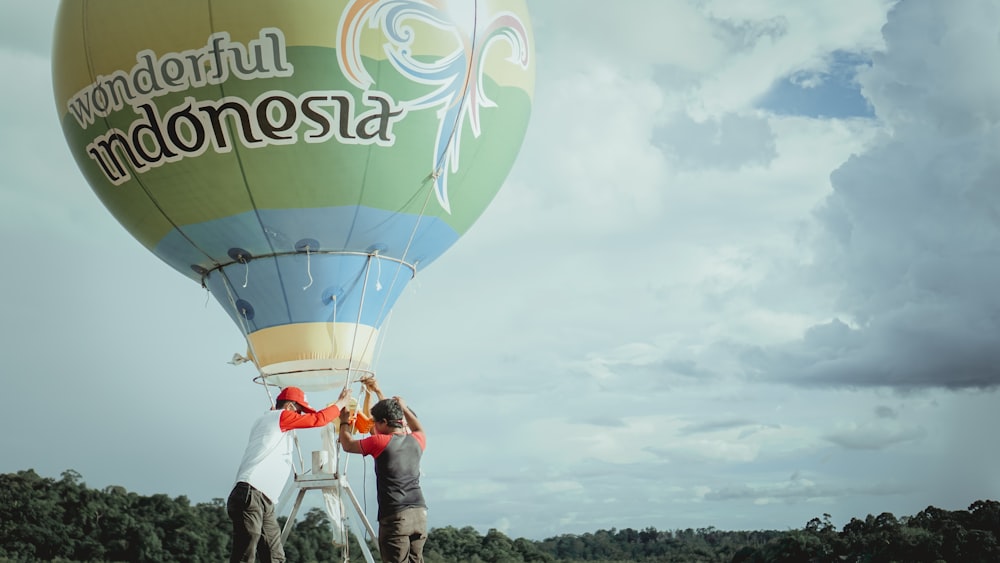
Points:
[(298, 450), (246, 335), (334, 299), (308, 268), (378, 277), (382, 333), (245, 329), (361, 307), (246, 278), (440, 167), (346, 384), (402, 259), (364, 392), (380, 343), (354, 338)]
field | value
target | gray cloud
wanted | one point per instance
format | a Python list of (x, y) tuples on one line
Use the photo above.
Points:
[(911, 230), (799, 490), (874, 437), (714, 425), (900, 350), (883, 411)]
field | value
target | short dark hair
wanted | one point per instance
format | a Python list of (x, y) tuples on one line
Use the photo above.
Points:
[(389, 412)]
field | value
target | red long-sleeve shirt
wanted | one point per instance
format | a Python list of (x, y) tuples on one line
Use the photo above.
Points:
[(267, 461)]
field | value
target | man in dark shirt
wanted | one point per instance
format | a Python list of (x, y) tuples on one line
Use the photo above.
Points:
[(397, 443)]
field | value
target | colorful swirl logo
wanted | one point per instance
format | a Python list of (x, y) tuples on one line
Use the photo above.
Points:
[(456, 78)]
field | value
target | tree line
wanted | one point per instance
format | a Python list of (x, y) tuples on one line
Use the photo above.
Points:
[(62, 520)]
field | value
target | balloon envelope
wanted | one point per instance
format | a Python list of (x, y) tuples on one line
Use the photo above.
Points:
[(302, 160)]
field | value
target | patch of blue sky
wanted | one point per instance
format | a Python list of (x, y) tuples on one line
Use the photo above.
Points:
[(831, 93)]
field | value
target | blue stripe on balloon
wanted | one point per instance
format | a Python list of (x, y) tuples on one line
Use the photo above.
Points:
[(323, 288), (297, 288), (355, 228)]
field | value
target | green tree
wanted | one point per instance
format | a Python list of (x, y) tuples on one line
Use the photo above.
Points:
[(450, 544), (530, 552), (62, 520), (32, 519), (498, 548)]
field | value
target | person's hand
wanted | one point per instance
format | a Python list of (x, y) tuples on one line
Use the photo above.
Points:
[(345, 396), (370, 383), (402, 403), (345, 416)]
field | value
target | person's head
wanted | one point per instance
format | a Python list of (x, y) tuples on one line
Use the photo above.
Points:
[(293, 398), (388, 416)]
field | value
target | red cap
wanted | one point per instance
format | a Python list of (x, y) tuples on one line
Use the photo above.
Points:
[(295, 394)]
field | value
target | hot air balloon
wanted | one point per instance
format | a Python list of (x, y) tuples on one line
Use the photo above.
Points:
[(301, 160)]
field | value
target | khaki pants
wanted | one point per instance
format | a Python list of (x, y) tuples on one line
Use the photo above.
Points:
[(254, 526), (401, 536)]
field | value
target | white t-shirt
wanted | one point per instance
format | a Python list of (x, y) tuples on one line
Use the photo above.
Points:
[(267, 461)]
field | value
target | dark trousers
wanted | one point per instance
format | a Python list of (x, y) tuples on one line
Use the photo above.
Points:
[(402, 535), (254, 526)]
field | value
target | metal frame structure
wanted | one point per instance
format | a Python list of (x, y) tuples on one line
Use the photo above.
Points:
[(326, 477)]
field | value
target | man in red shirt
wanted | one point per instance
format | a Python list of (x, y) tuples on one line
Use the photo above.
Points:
[(264, 471), (397, 443)]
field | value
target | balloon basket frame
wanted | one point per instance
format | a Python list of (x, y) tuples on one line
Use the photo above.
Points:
[(323, 480)]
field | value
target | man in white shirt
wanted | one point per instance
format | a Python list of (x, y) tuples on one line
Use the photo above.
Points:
[(266, 465)]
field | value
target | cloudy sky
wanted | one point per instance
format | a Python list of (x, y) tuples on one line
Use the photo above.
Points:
[(746, 271)]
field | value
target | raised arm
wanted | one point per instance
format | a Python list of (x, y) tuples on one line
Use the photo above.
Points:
[(372, 385), (347, 440), (411, 419), (291, 419)]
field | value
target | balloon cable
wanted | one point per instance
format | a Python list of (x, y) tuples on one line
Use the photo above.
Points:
[(361, 307), (246, 335), (402, 258), (309, 269), (354, 341), (441, 165), (380, 343), (245, 329)]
